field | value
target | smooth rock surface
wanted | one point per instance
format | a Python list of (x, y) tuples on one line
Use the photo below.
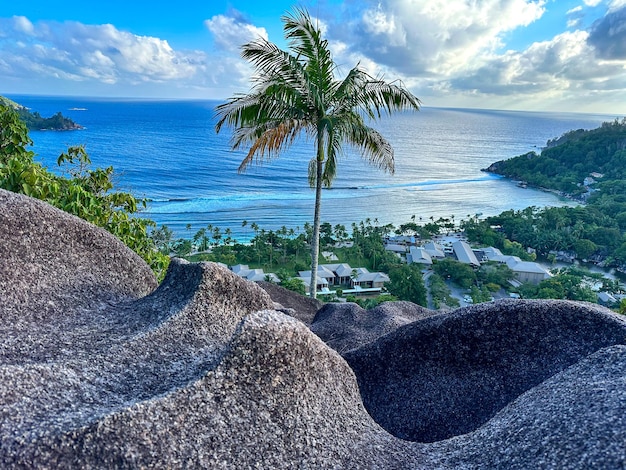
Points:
[(98, 369), (448, 374), (345, 326)]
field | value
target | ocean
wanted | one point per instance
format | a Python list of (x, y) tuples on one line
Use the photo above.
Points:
[(169, 153)]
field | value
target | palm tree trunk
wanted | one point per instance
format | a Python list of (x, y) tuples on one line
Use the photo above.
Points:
[(315, 243)]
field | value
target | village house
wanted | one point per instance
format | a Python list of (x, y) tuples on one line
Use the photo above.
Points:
[(342, 272), (355, 280), (368, 280)]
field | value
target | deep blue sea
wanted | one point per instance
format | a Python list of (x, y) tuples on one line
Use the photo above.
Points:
[(168, 152)]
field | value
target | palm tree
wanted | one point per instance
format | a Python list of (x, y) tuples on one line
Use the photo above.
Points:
[(295, 92), (245, 233)]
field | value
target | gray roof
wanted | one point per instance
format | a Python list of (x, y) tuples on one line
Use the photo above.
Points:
[(419, 255), (341, 269), (464, 253), (372, 277), (322, 272)]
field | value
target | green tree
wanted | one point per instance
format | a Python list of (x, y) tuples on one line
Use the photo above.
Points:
[(584, 248), (294, 284), (296, 93), (457, 272), (406, 283)]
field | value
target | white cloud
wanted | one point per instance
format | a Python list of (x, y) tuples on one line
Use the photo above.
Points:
[(78, 52), (447, 53), (23, 25), (231, 32), (565, 65), (574, 10), (422, 36), (592, 3), (617, 5), (455, 53), (608, 35)]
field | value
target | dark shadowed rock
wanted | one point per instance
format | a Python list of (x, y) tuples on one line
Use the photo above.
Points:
[(345, 326), (573, 420), (98, 369), (299, 306), (448, 374)]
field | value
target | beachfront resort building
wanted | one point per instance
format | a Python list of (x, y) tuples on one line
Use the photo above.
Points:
[(254, 275), (464, 253), (353, 280), (525, 271), (420, 255)]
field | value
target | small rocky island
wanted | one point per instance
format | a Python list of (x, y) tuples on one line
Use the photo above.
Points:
[(102, 368), (34, 121)]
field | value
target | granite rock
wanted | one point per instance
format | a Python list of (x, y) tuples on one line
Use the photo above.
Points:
[(345, 326), (448, 374), (298, 306), (99, 368)]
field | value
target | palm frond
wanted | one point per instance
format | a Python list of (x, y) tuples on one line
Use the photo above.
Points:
[(376, 149), (334, 149), (268, 141), (388, 97), (306, 41)]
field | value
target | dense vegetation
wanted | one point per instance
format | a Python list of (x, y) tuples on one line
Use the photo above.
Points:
[(588, 165), (35, 121), (57, 122), (85, 192), (566, 162)]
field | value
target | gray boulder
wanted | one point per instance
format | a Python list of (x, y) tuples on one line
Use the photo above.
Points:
[(98, 369), (298, 306), (448, 374), (345, 326), (573, 420)]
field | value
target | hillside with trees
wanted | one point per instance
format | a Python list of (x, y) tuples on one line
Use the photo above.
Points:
[(578, 164), (34, 120)]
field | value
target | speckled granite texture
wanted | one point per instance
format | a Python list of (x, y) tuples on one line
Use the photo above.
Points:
[(99, 368)]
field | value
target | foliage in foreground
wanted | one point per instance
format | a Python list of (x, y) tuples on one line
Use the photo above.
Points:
[(83, 192)]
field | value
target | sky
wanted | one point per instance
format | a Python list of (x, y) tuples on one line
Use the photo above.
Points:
[(539, 55)]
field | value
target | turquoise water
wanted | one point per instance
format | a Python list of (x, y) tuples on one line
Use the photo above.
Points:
[(168, 151)]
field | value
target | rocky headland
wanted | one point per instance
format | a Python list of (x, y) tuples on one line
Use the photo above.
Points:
[(102, 368)]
